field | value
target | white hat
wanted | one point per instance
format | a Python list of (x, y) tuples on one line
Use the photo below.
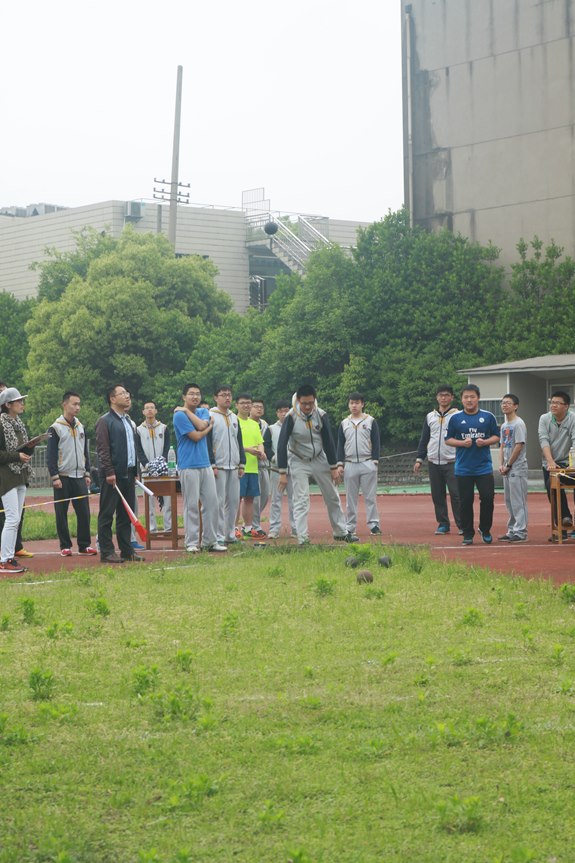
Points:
[(10, 395)]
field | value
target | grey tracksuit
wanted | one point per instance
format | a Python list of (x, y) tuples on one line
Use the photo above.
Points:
[(358, 447), (155, 441), (226, 448), (275, 493), (306, 450)]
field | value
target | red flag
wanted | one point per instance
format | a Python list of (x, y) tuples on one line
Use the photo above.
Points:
[(138, 526)]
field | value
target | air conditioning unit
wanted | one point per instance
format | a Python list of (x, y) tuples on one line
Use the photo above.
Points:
[(134, 210)]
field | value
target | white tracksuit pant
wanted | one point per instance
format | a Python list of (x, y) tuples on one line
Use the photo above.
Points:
[(228, 491), (276, 505), (515, 493), (260, 502), (198, 484), (317, 469), (360, 476)]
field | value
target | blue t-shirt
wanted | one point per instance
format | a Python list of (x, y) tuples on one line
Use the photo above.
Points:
[(473, 460), (191, 453)]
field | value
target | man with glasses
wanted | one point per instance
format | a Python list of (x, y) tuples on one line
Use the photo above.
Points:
[(441, 459), (253, 443), (513, 469), (117, 448), (192, 425), (556, 437), (306, 449), (228, 464)]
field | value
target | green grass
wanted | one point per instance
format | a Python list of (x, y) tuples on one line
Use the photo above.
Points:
[(40, 525), (267, 707)]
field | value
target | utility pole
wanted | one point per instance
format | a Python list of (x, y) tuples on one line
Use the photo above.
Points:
[(174, 196)]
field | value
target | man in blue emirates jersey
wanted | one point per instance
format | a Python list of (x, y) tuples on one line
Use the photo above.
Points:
[(472, 431)]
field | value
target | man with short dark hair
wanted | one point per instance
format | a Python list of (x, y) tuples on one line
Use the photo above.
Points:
[(441, 459), (228, 464), (472, 431), (556, 437), (513, 468), (282, 409), (193, 425), (69, 465), (260, 503), (358, 446), (306, 450), (254, 451), (117, 447), (155, 441)]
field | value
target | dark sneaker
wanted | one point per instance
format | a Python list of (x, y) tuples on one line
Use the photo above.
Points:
[(375, 530), (133, 558), (111, 558), (506, 538), (460, 532), (467, 540), (347, 537), (516, 538), (486, 537), (442, 529), (567, 521)]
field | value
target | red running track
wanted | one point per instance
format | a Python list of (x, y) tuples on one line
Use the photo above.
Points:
[(406, 519)]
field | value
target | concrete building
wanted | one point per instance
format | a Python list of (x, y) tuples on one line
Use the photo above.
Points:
[(489, 118), (248, 259), (532, 380)]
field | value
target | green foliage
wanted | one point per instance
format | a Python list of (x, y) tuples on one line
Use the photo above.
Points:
[(542, 291), (42, 684), (14, 315), (460, 815), (128, 310)]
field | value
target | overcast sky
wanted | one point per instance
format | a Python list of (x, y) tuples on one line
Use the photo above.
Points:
[(302, 97)]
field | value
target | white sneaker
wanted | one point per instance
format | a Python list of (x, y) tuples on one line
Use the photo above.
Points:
[(193, 549), (273, 535), (217, 547)]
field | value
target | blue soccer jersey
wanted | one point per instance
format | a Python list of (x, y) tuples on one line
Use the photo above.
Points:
[(473, 460)]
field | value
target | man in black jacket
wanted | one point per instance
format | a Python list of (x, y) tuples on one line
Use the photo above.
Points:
[(118, 454)]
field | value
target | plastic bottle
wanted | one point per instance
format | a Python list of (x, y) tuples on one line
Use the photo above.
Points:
[(172, 466)]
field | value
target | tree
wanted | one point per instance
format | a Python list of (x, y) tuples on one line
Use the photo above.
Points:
[(13, 339), (133, 317), (539, 317)]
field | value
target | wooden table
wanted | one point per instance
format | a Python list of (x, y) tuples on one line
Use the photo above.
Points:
[(162, 486), (562, 478)]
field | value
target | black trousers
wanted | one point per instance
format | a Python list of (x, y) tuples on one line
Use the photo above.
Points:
[(485, 485), (73, 487), (111, 505), (440, 476)]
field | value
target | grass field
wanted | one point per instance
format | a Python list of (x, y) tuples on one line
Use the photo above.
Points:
[(267, 707)]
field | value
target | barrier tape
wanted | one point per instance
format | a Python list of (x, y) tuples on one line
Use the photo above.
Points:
[(48, 502)]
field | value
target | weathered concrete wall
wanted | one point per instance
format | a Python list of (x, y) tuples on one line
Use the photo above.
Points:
[(490, 93)]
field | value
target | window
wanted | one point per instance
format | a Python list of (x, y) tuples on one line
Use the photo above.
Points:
[(493, 405)]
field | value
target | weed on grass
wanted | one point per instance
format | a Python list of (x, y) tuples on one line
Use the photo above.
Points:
[(472, 617), (42, 684), (460, 815), (98, 607), (191, 792), (29, 613), (324, 587), (5, 623)]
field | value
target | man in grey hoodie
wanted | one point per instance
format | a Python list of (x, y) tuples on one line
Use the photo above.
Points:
[(306, 450)]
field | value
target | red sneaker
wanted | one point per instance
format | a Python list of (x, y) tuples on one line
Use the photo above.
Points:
[(66, 552), (9, 567), (88, 550)]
